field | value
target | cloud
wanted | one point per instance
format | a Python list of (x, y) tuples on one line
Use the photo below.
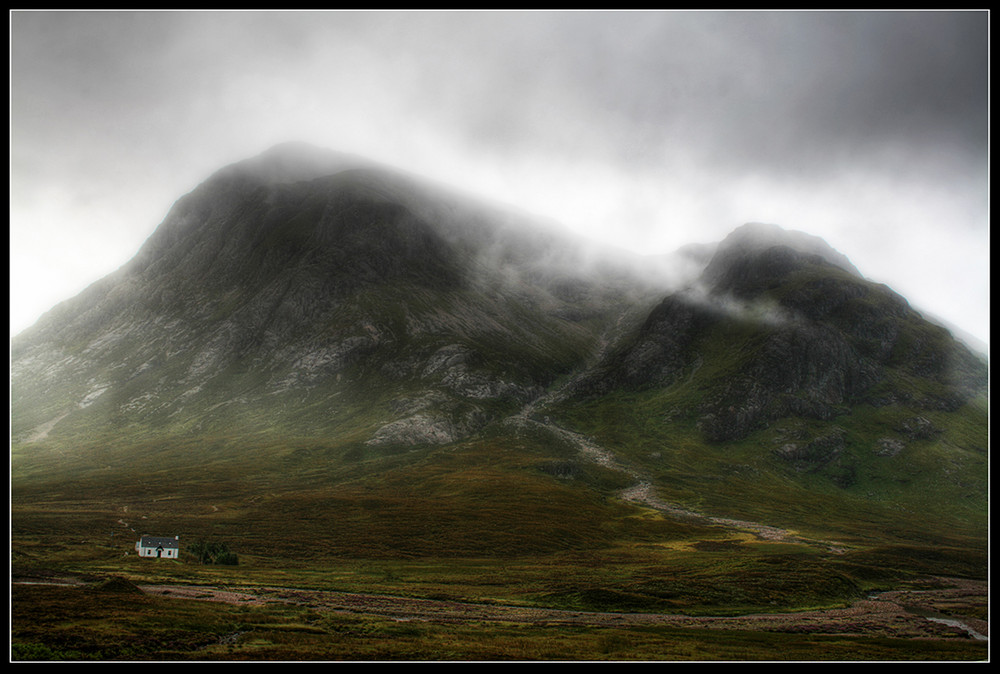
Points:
[(649, 129)]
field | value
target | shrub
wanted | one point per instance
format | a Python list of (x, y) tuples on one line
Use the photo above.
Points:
[(214, 553)]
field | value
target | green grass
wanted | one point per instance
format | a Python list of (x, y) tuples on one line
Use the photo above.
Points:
[(450, 521), (933, 491)]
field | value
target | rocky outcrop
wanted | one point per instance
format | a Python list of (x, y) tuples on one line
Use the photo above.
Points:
[(804, 370), (816, 453), (424, 428), (889, 447)]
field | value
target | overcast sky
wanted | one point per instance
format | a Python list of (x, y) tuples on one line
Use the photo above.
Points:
[(647, 130)]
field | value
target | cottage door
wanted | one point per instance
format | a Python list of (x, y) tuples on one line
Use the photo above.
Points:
[(159, 552)]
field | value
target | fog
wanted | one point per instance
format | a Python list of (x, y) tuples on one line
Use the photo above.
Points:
[(645, 130)]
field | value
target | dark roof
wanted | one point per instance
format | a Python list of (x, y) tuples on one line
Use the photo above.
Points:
[(159, 542)]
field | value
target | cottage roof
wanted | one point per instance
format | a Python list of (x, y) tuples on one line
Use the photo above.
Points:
[(159, 542)]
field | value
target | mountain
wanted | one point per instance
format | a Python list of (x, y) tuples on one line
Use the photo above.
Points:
[(302, 280), (781, 368), (800, 333), (316, 350)]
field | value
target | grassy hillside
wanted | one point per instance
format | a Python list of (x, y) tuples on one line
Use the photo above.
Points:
[(508, 518), (934, 489)]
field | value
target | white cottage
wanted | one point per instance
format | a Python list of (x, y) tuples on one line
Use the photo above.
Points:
[(158, 546)]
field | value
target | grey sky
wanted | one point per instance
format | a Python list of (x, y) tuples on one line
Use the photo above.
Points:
[(646, 129)]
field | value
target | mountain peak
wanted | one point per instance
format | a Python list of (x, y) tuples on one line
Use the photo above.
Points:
[(750, 241), (292, 161), (759, 236)]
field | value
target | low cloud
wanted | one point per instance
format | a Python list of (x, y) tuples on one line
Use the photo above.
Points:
[(646, 129)]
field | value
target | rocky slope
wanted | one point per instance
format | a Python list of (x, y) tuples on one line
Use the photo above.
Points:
[(781, 325), (313, 293)]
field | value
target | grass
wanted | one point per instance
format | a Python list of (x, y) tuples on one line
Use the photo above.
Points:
[(934, 490), (67, 623), (518, 520), (486, 519)]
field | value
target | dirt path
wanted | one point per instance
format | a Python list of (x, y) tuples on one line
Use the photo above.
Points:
[(883, 615), (641, 491)]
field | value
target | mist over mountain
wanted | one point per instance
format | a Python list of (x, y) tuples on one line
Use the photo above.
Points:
[(292, 276), (308, 294)]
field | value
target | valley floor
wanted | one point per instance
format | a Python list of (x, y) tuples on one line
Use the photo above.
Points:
[(277, 623), (892, 614), (899, 614)]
